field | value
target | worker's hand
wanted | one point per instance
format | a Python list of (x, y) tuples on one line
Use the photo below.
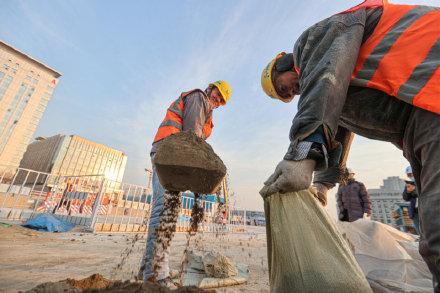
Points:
[(321, 193), (289, 176), (367, 216)]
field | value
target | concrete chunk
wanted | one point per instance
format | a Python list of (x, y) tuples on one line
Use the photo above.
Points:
[(186, 162)]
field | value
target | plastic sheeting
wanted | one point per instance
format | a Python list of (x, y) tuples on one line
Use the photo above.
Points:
[(306, 252), (48, 223), (389, 258)]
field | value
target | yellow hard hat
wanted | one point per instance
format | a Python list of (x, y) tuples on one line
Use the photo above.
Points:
[(224, 89), (266, 78)]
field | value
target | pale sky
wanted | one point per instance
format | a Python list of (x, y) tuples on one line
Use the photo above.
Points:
[(124, 62)]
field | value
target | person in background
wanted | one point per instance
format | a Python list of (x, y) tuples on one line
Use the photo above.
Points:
[(353, 200), (410, 194)]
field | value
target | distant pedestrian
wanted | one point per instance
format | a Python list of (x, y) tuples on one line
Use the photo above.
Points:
[(410, 194), (353, 200)]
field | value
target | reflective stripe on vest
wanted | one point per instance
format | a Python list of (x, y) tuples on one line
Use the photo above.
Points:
[(402, 56), (173, 122)]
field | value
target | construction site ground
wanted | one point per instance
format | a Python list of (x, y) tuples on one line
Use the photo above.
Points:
[(28, 257)]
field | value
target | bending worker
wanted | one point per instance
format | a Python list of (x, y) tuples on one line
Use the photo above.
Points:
[(191, 111), (372, 70)]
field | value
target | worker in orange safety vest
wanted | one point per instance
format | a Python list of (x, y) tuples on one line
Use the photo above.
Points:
[(372, 70), (191, 111)]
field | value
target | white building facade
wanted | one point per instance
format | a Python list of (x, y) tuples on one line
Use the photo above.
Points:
[(384, 199), (72, 155), (26, 86)]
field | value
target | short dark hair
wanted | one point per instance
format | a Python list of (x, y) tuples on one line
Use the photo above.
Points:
[(285, 63)]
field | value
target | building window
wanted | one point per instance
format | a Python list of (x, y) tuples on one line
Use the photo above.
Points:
[(49, 88), (4, 84), (14, 113), (13, 106)]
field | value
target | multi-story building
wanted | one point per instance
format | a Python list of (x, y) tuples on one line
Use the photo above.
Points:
[(26, 86), (74, 155), (253, 218), (385, 198)]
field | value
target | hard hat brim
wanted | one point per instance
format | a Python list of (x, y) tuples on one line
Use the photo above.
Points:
[(267, 82)]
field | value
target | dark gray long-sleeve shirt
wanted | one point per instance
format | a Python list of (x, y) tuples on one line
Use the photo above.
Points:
[(326, 55), (195, 114)]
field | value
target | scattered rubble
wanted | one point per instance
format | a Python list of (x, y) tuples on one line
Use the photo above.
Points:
[(218, 265), (97, 284)]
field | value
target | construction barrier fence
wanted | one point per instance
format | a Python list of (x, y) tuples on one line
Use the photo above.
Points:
[(99, 204)]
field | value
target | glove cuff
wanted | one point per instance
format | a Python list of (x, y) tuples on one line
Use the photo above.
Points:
[(308, 150)]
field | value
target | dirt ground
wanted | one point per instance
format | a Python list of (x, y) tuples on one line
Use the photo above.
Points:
[(28, 257)]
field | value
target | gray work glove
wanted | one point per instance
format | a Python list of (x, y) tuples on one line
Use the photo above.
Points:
[(321, 193), (289, 176)]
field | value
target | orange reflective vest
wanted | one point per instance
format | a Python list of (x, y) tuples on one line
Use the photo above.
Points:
[(173, 121), (402, 55)]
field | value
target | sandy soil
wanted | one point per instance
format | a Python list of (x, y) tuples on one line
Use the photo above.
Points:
[(28, 258)]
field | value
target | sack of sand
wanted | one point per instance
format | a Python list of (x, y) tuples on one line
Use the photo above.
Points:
[(306, 252)]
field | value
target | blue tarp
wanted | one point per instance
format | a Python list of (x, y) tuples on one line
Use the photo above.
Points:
[(48, 223)]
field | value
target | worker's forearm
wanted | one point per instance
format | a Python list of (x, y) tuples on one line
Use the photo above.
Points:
[(326, 55), (312, 147), (337, 159)]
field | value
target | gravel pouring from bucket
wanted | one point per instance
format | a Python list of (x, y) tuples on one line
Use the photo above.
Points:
[(184, 161)]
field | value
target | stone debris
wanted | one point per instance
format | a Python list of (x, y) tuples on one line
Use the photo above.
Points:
[(218, 265), (97, 284)]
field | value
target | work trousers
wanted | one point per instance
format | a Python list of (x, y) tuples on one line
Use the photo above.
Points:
[(421, 147), (147, 265)]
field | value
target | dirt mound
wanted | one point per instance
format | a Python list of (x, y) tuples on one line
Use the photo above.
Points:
[(98, 284), (95, 281), (186, 162)]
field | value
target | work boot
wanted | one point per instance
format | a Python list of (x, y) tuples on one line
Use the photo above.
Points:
[(168, 283)]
